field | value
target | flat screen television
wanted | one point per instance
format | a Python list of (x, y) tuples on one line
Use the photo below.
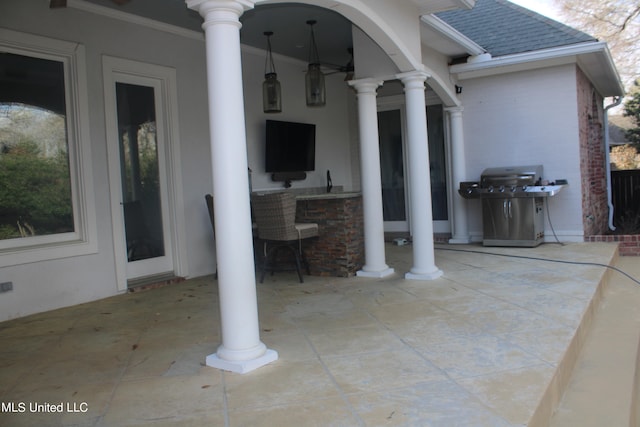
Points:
[(290, 147)]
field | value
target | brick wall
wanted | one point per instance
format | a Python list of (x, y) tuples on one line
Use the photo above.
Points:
[(628, 245), (339, 248), (592, 158)]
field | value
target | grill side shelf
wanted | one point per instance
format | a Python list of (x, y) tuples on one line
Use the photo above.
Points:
[(533, 191)]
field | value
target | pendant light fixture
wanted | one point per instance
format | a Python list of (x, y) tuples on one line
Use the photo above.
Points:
[(271, 94), (314, 80)]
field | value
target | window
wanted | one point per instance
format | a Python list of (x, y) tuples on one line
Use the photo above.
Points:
[(44, 198), (35, 199)]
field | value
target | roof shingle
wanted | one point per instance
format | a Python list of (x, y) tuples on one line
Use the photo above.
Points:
[(504, 28)]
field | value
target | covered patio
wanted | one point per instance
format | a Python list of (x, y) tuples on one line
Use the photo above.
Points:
[(490, 343)]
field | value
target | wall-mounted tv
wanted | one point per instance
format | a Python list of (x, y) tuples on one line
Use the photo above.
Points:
[(290, 147)]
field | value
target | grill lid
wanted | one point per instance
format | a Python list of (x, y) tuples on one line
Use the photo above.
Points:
[(511, 175)]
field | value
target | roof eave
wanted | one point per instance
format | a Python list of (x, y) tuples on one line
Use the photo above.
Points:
[(593, 58), (426, 7), (471, 47)]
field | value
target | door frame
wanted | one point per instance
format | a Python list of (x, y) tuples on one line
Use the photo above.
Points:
[(391, 103), (397, 102), (444, 226), (167, 92)]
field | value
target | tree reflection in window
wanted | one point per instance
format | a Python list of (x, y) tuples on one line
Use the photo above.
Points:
[(35, 183)]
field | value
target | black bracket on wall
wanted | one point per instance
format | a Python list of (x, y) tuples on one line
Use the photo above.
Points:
[(287, 177)]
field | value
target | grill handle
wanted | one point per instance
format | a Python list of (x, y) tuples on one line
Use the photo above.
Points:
[(507, 212)]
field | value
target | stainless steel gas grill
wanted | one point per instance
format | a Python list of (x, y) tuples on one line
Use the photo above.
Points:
[(512, 204)]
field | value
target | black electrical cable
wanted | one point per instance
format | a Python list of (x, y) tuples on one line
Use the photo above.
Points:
[(592, 264), (546, 205)]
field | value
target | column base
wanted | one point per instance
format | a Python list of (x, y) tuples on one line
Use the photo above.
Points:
[(460, 240), (424, 276), (376, 274), (241, 366)]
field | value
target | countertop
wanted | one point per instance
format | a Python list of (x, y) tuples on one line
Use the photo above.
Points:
[(322, 196)]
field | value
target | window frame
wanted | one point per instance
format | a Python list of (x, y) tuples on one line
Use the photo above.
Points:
[(83, 240)]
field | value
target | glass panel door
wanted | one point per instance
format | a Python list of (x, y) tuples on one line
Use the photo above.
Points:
[(139, 171), (437, 160), (392, 170), (142, 180)]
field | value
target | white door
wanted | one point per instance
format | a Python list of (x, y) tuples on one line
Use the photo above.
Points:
[(393, 164), (138, 130)]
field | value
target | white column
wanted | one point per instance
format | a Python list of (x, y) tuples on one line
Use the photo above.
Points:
[(375, 265), (459, 173), (241, 349), (424, 267)]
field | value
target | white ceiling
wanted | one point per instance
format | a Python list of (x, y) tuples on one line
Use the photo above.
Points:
[(286, 20)]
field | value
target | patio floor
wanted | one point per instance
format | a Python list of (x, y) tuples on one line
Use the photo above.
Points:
[(488, 344)]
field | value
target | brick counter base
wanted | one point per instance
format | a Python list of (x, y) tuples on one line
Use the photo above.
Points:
[(339, 248), (628, 244)]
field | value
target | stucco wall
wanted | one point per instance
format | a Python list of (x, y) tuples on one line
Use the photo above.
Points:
[(51, 284), (526, 118), (55, 283), (333, 140)]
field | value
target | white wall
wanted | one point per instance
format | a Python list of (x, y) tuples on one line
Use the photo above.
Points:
[(526, 118), (56, 283), (519, 118), (333, 136), (51, 284)]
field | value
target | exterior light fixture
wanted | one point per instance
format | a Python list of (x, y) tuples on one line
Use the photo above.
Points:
[(271, 94), (314, 80)]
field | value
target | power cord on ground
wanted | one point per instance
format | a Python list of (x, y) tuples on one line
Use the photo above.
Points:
[(592, 264), (551, 226)]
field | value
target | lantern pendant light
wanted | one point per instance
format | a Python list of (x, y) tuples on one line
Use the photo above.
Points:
[(271, 93), (314, 80)]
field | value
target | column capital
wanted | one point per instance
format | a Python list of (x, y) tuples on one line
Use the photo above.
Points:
[(454, 110), (220, 11), (413, 79), (366, 85)]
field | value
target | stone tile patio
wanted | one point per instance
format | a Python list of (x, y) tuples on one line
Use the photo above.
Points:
[(488, 344)]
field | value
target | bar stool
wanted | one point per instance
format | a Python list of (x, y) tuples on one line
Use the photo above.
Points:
[(275, 215)]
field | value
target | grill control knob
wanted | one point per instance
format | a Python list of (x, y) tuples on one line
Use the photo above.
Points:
[(502, 188), (514, 188), (490, 189), (524, 188)]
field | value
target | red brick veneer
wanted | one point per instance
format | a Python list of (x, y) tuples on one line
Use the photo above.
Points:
[(628, 244), (339, 248)]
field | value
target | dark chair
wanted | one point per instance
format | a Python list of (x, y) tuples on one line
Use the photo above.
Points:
[(275, 215), (209, 199)]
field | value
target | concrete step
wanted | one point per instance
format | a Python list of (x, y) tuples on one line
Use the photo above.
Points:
[(603, 387)]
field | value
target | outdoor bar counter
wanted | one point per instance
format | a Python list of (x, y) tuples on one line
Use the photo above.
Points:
[(339, 248)]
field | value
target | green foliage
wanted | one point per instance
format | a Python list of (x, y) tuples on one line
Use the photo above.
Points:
[(35, 195), (632, 109)]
